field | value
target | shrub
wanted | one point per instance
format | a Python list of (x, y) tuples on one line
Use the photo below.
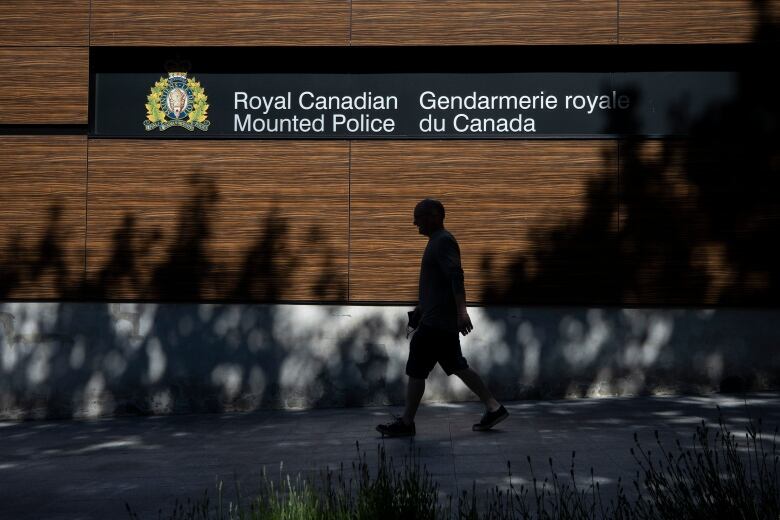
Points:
[(387, 494), (716, 477)]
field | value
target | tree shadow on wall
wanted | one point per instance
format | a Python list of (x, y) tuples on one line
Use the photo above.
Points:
[(697, 221), (100, 358), (46, 261)]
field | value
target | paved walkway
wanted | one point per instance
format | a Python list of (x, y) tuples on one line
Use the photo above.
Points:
[(88, 470)]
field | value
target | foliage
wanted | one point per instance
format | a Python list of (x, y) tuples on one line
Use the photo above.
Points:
[(386, 494), (711, 480), (154, 110), (716, 477), (199, 105)]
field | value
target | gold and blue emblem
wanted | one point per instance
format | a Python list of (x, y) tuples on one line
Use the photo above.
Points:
[(177, 101)]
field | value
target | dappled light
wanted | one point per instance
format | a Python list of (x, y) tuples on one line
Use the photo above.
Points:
[(156, 358), (171, 309), (582, 344), (657, 334), (178, 353), (190, 450)]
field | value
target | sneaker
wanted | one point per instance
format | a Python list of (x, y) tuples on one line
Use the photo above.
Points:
[(490, 419), (397, 428)]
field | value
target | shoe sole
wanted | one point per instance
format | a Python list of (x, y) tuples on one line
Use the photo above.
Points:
[(483, 428)]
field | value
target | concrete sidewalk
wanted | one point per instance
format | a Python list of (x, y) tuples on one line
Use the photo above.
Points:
[(88, 470)]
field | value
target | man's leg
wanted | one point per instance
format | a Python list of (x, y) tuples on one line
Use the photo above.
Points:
[(415, 389), (476, 385), (404, 426), (418, 366)]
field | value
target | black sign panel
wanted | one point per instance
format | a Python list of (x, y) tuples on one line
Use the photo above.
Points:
[(405, 105)]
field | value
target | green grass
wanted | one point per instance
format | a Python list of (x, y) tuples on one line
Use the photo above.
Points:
[(715, 477), (718, 477)]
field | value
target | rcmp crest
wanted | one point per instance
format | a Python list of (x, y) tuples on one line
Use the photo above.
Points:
[(177, 101)]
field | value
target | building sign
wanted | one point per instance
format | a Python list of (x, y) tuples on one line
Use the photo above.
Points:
[(405, 106)]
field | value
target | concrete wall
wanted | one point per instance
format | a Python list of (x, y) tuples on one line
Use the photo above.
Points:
[(93, 359)]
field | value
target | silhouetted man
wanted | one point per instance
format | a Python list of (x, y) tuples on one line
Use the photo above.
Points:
[(441, 313)]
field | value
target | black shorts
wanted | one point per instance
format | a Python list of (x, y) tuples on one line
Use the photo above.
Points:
[(430, 346)]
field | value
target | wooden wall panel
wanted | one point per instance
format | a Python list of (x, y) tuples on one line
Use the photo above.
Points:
[(536, 220), (31, 22), (220, 23), (44, 85), (699, 222), (497, 22), (694, 22), (243, 220), (42, 207)]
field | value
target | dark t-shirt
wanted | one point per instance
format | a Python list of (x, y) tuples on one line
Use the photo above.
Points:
[(441, 277)]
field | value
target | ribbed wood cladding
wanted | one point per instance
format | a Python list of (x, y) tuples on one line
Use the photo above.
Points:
[(44, 85), (223, 23), (536, 220), (60, 22), (42, 216), (695, 21), (499, 22), (239, 220), (699, 221)]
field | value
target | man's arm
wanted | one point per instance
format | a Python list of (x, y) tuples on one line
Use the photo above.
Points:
[(448, 257), (464, 321)]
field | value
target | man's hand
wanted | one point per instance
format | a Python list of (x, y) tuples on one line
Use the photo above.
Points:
[(414, 318), (464, 322)]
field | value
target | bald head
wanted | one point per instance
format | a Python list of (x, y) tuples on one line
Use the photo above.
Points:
[(429, 216), (430, 207)]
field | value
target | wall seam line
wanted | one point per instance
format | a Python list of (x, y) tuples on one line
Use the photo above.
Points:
[(86, 216), (619, 225), (350, 23), (617, 22), (349, 218), (86, 187), (43, 46)]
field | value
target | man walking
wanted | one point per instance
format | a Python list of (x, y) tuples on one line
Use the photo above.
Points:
[(441, 313)]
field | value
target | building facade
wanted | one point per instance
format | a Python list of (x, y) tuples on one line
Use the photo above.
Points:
[(162, 273)]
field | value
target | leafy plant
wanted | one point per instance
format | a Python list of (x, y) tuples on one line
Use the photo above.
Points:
[(716, 477)]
